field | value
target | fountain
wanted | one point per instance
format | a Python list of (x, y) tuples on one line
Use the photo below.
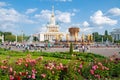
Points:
[(30, 40)]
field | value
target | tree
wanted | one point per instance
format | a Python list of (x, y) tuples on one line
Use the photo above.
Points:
[(35, 39), (1, 33), (10, 38), (107, 36), (7, 33), (19, 38), (71, 48), (106, 33), (97, 37)]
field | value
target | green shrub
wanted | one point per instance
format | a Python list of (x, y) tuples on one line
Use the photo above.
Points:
[(71, 48)]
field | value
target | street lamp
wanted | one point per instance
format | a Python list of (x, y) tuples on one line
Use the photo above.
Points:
[(102, 39), (22, 36), (16, 38)]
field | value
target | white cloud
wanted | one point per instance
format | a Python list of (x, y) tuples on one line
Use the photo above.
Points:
[(8, 27), (86, 30), (85, 24), (64, 17), (99, 19), (10, 19), (44, 15), (42, 28), (115, 11), (31, 10), (2, 4), (11, 15), (100, 27)]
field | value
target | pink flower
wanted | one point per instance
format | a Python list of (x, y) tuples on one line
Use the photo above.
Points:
[(92, 71), (11, 77), (103, 67), (43, 75), (14, 73), (33, 76), (61, 65), (26, 65), (81, 66), (94, 67), (34, 71), (79, 70), (20, 73), (26, 72), (11, 69), (106, 68), (98, 76), (29, 76), (3, 67), (99, 63), (58, 67), (111, 59)]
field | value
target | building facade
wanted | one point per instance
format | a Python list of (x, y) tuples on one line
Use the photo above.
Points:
[(116, 34), (53, 32)]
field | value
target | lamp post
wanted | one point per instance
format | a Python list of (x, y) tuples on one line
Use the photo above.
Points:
[(102, 40), (22, 36), (16, 38), (112, 39)]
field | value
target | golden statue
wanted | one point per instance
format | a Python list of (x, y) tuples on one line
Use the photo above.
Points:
[(67, 37), (83, 37)]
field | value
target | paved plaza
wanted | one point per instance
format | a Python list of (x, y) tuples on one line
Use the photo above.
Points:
[(102, 51), (105, 51)]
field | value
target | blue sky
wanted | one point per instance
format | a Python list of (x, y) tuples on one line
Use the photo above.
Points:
[(31, 16)]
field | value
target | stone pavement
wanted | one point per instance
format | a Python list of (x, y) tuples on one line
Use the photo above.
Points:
[(102, 51)]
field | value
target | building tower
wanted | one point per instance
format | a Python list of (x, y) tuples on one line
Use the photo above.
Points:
[(52, 27), (52, 33), (52, 19)]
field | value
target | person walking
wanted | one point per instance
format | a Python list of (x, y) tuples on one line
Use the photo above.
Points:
[(83, 48)]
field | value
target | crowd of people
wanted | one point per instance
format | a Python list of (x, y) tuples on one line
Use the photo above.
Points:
[(39, 46)]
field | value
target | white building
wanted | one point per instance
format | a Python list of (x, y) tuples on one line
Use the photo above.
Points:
[(116, 34), (52, 30)]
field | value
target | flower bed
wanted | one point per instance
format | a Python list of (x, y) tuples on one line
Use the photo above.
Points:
[(28, 68)]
